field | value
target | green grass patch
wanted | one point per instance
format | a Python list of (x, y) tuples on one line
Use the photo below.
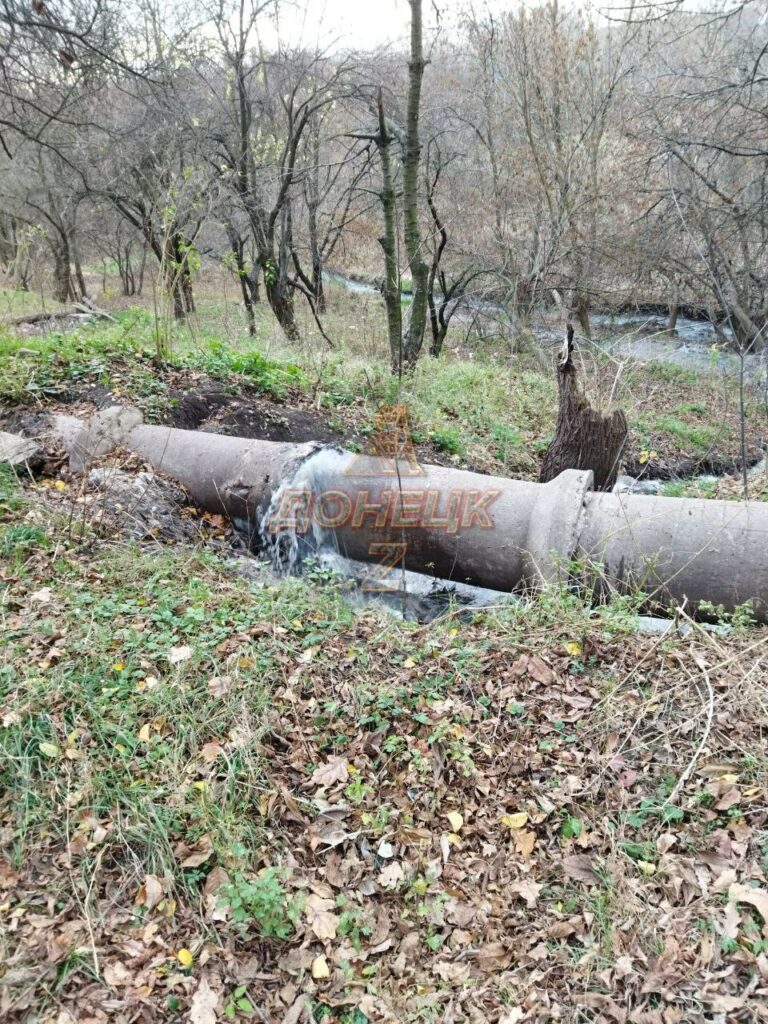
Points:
[(698, 438), (270, 376), (690, 489), (159, 658)]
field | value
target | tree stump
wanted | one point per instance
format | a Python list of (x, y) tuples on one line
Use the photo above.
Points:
[(584, 438)]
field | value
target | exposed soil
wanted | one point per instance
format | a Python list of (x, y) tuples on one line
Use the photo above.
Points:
[(191, 400), (210, 407), (684, 467)]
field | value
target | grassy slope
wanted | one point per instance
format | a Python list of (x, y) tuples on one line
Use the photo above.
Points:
[(258, 778), (494, 412), (469, 815)]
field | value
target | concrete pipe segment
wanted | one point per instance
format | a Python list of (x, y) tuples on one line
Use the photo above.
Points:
[(487, 531)]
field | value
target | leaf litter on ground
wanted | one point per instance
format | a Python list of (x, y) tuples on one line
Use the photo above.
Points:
[(480, 832)]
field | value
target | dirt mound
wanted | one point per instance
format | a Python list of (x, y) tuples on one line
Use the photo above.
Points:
[(211, 408), (141, 506)]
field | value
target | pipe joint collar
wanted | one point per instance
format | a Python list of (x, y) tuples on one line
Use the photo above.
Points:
[(555, 525)]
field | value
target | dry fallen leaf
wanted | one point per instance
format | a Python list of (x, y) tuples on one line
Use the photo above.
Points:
[(335, 769), (455, 820), (528, 889), (515, 821), (540, 670), (200, 854), (150, 893), (580, 867), (391, 875), (296, 1011), (320, 968), (178, 654), (600, 1001), (219, 686), (210, 751), (512, 1016), (116, 975), (493, 957), (320, 918), (524, 843), (757, 898), (203, 1007)]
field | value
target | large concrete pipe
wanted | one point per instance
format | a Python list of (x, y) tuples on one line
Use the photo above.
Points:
[(488, 531)]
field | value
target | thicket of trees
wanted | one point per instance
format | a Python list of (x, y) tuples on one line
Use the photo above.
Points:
[(539, 155)]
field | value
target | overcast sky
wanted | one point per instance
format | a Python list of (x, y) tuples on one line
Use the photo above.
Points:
[(368, 23)]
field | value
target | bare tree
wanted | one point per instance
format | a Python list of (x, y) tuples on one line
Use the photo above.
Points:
[(262, 105)]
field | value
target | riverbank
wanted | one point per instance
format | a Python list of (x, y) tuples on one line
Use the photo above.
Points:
[(481, 407)]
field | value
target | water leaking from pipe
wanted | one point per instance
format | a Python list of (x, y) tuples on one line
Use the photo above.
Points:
[(504, 535)]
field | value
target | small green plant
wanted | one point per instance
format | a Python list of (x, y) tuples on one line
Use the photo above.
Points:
[(653, 807), (9, 490), (571, 828), (448, 440), (268, 375), (378, 822), (448, 738), (357, 791), (21, 538), (238, 1002), (263, 903), (741, 617), (507, 439), (353, 922)]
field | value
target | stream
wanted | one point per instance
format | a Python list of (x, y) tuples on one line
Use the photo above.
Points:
[(694, 346)]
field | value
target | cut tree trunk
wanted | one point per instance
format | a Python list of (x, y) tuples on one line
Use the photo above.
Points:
[(584, 437)]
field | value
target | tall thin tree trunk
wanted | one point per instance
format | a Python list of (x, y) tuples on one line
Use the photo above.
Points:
[(313, 204), (178, 278), (388, 243), (82, 291), (411, 160), (62, 282), (581, 309), (674, 310), (139, 287)]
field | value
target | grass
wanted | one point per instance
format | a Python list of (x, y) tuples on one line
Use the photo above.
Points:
[(198, 770), (494, 412), (692, 437), (108, 724)]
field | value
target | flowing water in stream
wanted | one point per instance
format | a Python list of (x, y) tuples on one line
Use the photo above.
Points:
[(695, 344)]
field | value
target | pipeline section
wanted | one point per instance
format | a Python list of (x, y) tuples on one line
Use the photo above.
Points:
[(481, 530)]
